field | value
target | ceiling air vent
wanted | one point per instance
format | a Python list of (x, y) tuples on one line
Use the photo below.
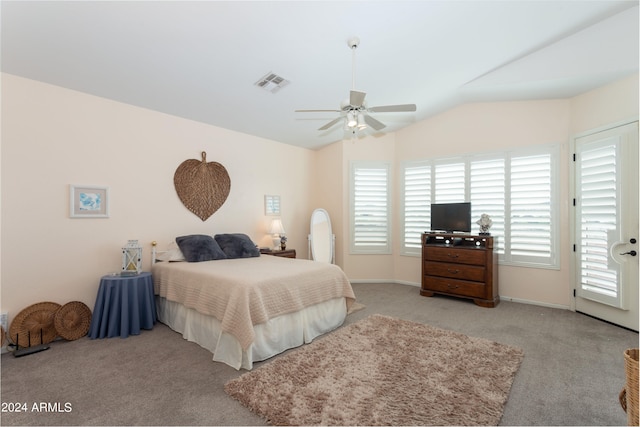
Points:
[(272, 82)]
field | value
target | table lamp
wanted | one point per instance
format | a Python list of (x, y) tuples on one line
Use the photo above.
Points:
[(277, 231)]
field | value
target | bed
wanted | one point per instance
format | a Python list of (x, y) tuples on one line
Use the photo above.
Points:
[(242, 306)]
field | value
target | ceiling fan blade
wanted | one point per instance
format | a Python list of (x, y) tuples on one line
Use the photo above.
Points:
[(331, 123), (374, 123), (356, 98), (318, 111), (392, 108)]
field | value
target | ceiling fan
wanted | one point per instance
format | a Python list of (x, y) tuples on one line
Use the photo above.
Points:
[(354, 111)]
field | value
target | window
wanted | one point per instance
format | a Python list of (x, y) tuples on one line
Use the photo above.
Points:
[(416, 205), (370, 208), (487, 188), (516, 189), (531, 238)]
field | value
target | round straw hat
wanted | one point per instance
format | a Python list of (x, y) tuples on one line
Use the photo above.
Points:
[(72, 320), (34, 325)]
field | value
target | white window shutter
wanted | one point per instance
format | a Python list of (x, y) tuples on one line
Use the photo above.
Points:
[(516, 189), (450, 183), (531, 201), (416, 206), (370, 208), (487, 189), (598, 200)]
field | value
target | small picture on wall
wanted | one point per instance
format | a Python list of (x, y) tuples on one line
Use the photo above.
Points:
[(271, 205), (88, 201)]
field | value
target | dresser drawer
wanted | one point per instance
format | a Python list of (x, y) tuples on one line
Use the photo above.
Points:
[(455, 271), (459, 256), (455, 287)]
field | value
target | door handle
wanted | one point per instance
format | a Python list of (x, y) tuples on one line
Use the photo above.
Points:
[(632, 253)]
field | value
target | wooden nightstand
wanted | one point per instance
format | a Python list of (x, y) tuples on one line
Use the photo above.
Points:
[(287, 253)]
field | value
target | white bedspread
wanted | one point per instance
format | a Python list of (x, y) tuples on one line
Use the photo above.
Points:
[(244, 292)]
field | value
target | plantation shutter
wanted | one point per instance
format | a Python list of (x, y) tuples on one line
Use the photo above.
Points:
[(417, 206), (516, 189), (449, 183), (370, 208), (531, 238), (487, 188), (598, 201)]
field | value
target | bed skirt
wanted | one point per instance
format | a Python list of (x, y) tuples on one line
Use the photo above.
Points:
[(277, 335)]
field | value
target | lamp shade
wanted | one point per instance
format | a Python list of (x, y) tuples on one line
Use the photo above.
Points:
[(276, 227)]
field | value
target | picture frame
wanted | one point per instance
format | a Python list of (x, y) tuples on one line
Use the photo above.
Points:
[(271, 205), (88, 201)]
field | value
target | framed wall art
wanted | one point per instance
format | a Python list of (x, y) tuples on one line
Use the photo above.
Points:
[(88, 201), (271, 205)]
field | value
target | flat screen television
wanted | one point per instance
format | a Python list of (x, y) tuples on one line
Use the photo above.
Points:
[(451, 217)]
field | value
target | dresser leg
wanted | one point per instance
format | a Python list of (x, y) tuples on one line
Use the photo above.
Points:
[(487, 303), (425, 293)]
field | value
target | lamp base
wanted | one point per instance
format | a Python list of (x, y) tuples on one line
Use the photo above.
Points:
[(276, 243)]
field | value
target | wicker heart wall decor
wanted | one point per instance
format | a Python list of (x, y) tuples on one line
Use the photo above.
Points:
[(202, 187)]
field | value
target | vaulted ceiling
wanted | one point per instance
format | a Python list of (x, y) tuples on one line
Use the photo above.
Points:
[(201, 60)]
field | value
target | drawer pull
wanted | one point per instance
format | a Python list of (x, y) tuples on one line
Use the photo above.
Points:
[(452, 255), (456, 271), (450, 286)]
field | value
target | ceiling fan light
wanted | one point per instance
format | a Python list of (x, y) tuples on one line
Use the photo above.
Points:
[(352, 120)]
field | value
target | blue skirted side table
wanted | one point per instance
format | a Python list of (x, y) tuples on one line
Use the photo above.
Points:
[(124, 306)]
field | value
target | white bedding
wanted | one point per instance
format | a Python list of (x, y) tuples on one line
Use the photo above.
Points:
[(273, 337), (245, 310)]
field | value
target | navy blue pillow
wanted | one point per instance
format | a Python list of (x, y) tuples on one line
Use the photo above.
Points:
[(237, 245), (199, 247)]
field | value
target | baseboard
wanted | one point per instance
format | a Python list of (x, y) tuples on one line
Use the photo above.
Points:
[(395, 282), (502, 297), (530, 302)]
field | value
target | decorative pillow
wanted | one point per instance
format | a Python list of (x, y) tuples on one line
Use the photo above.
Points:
[(171, 255), (237, 245), (199, 247)]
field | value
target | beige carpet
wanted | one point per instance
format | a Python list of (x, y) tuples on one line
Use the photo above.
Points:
[(356, 306), (383, 371)]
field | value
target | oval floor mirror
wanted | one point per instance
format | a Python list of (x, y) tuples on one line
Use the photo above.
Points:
[(321, 237)]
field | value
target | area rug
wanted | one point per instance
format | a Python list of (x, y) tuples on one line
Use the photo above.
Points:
[(383, 371)]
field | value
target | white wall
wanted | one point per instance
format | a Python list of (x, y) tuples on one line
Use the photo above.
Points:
[(53, 137)]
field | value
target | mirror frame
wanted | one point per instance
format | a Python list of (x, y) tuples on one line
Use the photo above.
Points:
[(332, 237)]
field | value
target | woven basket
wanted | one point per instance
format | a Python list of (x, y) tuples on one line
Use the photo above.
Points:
[(72, 320), (34, 325), (629, 394)]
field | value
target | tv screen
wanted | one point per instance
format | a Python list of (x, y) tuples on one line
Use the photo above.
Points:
[(451, 217)]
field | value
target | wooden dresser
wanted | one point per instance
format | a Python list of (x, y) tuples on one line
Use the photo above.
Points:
[(460, 265)]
